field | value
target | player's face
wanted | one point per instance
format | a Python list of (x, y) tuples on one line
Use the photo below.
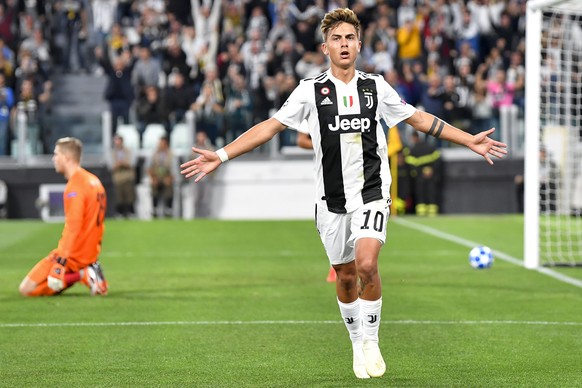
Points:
[(59, 159), (342, 45)]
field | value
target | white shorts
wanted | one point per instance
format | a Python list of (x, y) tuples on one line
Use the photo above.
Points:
[(339, 232)]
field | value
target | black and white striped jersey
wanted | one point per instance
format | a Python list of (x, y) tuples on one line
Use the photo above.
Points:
[(349, 144)]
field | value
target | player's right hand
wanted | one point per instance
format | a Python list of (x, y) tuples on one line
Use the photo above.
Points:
[(56, 276)]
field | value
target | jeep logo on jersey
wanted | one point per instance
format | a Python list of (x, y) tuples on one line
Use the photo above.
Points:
[(350, 124)]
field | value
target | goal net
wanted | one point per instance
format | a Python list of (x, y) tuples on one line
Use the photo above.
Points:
[(553, 154)]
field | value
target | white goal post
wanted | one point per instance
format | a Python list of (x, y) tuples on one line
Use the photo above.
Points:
[(553, 136)]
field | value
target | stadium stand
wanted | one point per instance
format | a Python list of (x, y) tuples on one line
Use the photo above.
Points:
[(268, 47)]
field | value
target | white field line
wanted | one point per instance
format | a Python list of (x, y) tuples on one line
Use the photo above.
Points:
[(283, 322), (497, 254)]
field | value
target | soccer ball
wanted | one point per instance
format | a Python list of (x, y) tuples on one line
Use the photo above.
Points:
[(481, 257)]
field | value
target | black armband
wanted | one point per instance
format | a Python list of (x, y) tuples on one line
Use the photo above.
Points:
[(438, 134), (433, 131)]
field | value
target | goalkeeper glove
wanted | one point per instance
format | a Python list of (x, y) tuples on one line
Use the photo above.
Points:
[(56, 276)]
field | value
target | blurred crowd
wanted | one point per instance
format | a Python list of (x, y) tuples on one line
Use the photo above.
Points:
[(232, 62)]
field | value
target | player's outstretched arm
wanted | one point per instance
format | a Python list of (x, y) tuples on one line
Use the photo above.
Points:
[(480, 143), (208, 161)]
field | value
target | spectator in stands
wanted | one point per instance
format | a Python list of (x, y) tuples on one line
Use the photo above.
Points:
[(181, 10), (6, 52), (119, 91), (39, 48), (103, 14), (498, 89), (123, 175), (432, 96), (206, 20), (151, 109), (409, 40), (258, 23), (126, 12), (28, 68), (73, 15), (209, 109), (34, 101), (283, 58), (7, 16), (192, 47), (455, 109), (486, 14), (174, 58), (311, 64), (381, 60), (146, 71), (482, 110), (466, 29), (161, 169), (465, 82), (6, 104), (466, 56), (179, 96), (116, 42), (7, 71), (405, 12), (394, 79), (238, 108), (306, 34), (516, 76), (384, 31), (411, 83), (255, 54)]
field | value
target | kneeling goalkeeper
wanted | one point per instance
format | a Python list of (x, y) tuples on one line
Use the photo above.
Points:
[(75, 258)]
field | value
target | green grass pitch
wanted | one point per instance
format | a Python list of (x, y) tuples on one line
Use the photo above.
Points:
[(245, 304)]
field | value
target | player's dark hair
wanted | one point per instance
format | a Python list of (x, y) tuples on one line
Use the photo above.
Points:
[(339, 15)]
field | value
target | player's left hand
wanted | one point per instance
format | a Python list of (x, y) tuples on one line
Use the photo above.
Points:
[(203, 165), (487, 147)]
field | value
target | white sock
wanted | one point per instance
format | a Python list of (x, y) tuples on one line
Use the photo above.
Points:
[(351, 315), (371, 310)]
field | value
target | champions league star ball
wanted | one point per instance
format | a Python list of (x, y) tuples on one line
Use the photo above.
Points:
[(481, 257)]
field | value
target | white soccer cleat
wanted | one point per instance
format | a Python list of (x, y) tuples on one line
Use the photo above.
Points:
[(94, 279), (375, 365), (359, 362)]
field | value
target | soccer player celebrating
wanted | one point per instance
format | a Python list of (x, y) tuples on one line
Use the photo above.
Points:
[(75, 258), (343, 108)]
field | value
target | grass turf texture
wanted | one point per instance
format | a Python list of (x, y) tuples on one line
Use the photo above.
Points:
[(245, 304)]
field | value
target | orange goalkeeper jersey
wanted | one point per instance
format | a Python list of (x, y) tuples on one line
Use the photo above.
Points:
[(85, 205)]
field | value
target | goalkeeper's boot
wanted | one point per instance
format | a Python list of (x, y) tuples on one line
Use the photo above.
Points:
[(375, 365), (94, 279), (359, 363)]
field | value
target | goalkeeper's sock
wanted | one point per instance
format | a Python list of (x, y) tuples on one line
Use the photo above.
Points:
[(352, 318), (371, 310), (72, 278)]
